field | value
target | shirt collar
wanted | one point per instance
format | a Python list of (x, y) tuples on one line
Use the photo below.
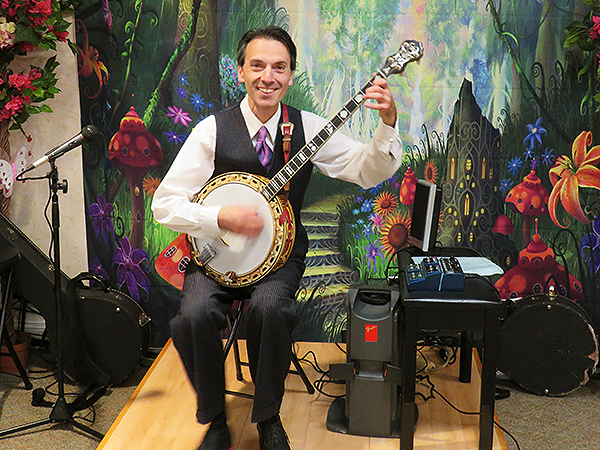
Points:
[(253, 123)]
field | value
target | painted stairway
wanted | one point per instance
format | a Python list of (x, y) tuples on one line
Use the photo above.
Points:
[(323, 261)]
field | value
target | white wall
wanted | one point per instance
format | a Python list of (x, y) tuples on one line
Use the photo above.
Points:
[(49, 130)]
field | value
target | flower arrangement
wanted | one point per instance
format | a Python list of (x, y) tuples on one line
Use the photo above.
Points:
[(585, 34), (24, 26)]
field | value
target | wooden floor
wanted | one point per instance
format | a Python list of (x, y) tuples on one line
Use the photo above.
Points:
[(161, 413)]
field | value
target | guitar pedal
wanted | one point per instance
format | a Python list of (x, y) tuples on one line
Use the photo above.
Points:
[(435, 274)]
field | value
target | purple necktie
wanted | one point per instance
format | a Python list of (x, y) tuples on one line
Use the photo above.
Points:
[(262, 148)]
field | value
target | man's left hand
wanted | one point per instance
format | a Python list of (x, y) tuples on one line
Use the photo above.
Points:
[(384, 101)]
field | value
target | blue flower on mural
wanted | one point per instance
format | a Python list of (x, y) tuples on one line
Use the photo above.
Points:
[(590, 247), (129, 268), (535, 134), (514, 165), (101, 214), (367, 206), (183, 79), (174, 137), (181, 92), (505, 185), (197, 102), (547, 157)]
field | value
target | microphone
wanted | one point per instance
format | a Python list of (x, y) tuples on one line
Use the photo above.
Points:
[(87, 134)]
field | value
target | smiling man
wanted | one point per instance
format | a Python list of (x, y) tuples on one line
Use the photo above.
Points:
[(247, 138)]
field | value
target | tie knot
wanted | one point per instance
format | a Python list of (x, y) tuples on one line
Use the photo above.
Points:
[(262, 134), (262, 148)]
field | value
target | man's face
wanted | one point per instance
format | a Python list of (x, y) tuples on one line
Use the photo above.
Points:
[(267, 74)]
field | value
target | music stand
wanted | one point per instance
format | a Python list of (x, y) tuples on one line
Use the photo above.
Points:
[(62, 412)]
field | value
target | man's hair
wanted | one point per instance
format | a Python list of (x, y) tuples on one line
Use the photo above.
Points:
[(270, 32)]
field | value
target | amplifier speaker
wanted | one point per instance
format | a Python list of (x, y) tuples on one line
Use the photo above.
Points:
[(371, 372), (33, 275)]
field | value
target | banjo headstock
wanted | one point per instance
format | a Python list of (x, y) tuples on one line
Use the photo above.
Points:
[(409, 51)]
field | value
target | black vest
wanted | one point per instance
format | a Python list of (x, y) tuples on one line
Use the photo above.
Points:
[(234, 152)]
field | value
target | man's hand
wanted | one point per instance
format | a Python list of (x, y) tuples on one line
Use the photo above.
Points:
[(241, 219), (384, 101)]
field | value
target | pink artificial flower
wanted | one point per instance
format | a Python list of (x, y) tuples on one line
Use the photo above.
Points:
[(61, 36), (26, 47), (19, 81), (595, 30)]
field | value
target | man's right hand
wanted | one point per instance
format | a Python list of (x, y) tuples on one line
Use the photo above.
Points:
[(241, 219)]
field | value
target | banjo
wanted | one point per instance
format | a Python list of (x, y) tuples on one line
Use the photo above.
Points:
[(237, 261)]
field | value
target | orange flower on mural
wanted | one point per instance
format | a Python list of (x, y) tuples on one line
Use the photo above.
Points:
[(385, 203), (567, 176)]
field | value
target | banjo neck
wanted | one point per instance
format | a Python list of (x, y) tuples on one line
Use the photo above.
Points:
[(295, 163), (409, 51)]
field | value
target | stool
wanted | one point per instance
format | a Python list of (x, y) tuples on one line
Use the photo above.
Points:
[(232, 341), (477, 308), (9, 256)]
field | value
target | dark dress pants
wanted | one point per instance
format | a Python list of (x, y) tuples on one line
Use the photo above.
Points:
[(271, 317)]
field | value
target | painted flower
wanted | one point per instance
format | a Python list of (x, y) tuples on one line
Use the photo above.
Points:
[(197, 102), (591, 242), (385, 203), (367, 206), (514, 165), (394, 233), (505, 185), (535, 134), (372, 252), (178, 115), (377, 220), (548, 157), (375, 189), (101, 214), (174, 137), (181, 92), (96, 267), (183, 79), (431, 172), (567, 176), (129, 270), (150, 185)]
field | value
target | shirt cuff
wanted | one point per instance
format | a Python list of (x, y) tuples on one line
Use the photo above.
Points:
[(207, 220), (388, 139)]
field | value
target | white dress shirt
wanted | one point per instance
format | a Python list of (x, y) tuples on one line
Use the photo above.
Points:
[(340, 157)]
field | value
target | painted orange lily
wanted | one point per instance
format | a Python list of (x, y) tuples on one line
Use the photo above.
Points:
[(567, 176)]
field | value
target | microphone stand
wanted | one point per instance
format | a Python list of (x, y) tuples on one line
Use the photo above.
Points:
[(62, 412)]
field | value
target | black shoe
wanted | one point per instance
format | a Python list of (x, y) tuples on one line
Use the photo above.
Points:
[(217, 437), (272, 436)]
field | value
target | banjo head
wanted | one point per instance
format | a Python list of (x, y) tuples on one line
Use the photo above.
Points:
[(239, 260)]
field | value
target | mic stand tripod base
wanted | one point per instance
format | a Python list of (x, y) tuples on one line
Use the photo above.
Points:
[(61, 412)]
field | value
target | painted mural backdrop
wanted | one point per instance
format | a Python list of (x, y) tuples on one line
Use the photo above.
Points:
[(501, 112)]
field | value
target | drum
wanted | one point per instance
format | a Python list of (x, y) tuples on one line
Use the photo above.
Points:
[(547, 345)]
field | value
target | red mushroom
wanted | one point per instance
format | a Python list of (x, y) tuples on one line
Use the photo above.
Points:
[(173, 260), (133, 151), (503, 225), (407, 188), (529, 198), (537, 271)]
